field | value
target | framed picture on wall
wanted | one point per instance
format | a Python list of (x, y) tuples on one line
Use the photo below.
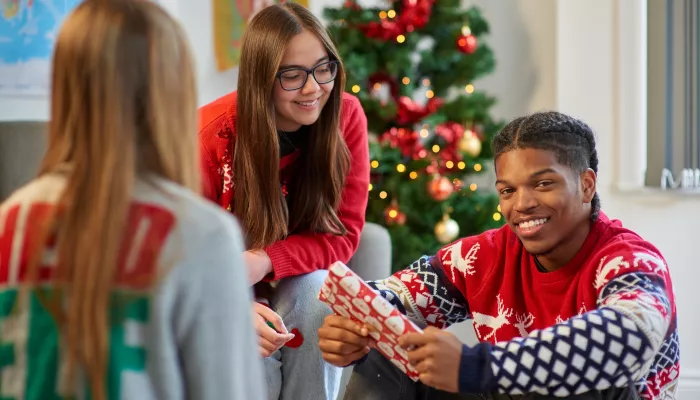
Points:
[(230, 21), (27, 33)]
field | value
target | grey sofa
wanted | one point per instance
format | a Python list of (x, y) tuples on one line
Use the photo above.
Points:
[(22, 144)]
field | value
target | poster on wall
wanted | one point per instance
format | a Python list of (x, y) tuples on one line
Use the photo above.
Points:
[(28, 29), (230, 20)]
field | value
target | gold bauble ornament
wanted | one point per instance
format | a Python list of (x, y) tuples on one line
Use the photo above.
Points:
[(446, 230), (471, 145)]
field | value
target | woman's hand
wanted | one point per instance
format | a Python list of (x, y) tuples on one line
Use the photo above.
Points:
[(269, 340), (259, 265)]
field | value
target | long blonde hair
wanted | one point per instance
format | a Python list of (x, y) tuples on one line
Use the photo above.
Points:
[(317, 184), (123, 106)]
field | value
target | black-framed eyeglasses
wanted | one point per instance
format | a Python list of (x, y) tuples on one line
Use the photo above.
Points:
[(295, 78)]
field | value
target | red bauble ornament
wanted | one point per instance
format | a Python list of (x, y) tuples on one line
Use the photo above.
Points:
[(440, 188), (450, 131), (467, 44), (409, 112)]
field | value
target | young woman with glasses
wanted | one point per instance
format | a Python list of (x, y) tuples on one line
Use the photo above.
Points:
[(288, 155)]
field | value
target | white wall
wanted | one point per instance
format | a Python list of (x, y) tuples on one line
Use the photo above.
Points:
[(522, 35), (196, 18), (598, 79), (587, 58), (25, 108)]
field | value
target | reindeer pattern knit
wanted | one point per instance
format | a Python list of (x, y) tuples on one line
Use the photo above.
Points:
[(606, 319)]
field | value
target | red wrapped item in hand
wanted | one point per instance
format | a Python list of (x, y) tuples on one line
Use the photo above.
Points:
[(349, 296)]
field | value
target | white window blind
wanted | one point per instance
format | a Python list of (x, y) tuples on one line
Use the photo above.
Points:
[(673, 103)]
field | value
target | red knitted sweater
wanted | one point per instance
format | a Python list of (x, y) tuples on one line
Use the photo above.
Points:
[(303, 252)]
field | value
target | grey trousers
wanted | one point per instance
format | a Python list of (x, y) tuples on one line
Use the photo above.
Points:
[(378, 379), (301, 373)]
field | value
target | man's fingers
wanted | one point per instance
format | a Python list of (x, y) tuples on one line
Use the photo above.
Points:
[(341, 322), (427, 379), (419, 354), (342, 335), (338, 347), (431, 330), (426, 365), (414, 339), (343, 360)]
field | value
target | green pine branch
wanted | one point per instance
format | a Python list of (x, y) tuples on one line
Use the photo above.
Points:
[(430, 53)]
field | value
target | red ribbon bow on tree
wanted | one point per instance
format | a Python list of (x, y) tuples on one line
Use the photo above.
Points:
[(410, 113)]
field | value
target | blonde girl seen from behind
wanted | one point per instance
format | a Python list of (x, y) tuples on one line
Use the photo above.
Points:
[(116, 205)]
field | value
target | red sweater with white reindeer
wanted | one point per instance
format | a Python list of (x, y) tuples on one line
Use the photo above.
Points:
[(606, 319)]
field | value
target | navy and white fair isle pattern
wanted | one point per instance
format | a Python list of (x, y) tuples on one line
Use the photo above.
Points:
[(624, 341), (613, 346), (421, 294), (596, 350)]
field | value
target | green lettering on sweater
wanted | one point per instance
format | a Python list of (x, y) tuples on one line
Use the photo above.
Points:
[(42, 344)]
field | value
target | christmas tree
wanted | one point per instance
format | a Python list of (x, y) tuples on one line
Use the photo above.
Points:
[(413, 66)]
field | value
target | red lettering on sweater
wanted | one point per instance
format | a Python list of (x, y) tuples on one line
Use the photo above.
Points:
[(147, 228)]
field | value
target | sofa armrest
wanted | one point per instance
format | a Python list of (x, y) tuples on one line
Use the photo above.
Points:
[(372, 260), (22, 145)]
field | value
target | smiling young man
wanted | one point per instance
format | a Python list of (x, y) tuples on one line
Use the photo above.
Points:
[(565, 302)]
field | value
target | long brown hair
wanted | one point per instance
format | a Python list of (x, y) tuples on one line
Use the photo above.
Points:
[(320, 174), (123, 107)]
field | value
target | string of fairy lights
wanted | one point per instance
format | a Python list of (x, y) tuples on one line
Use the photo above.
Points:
[(440, 187)]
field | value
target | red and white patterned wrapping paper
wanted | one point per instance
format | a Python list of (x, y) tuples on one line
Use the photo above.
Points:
[(349, 296)]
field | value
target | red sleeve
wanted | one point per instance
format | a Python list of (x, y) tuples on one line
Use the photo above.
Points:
[(211, 182), (307, 252), (468, 263), (215, 120)]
